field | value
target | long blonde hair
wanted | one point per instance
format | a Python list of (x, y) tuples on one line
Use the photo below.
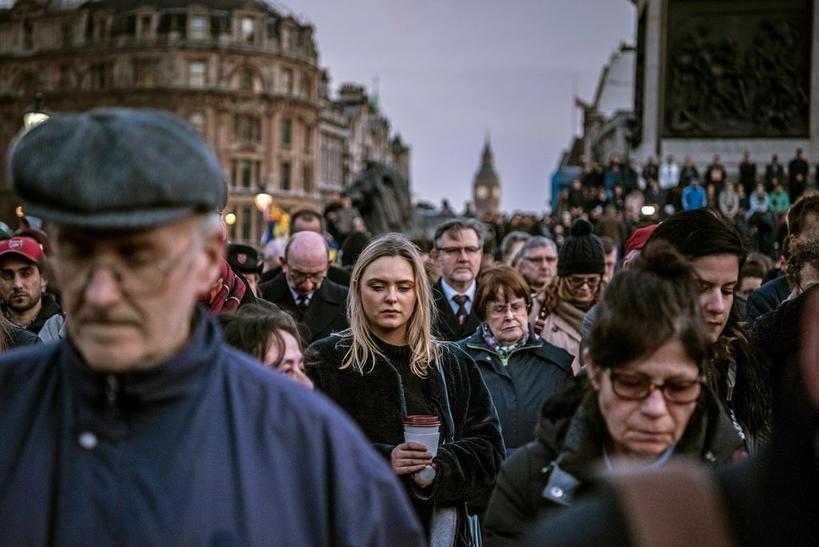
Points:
[(362, 346)]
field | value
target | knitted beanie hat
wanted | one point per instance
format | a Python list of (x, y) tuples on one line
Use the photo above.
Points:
[(582, 252)]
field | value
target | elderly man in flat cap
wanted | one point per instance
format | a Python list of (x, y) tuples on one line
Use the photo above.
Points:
[(142, 427)]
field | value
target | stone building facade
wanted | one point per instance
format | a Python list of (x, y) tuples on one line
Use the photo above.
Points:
[(354, 131), (242, 72)]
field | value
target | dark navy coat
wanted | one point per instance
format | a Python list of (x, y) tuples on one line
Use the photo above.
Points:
[(520, 385), (209, 448)]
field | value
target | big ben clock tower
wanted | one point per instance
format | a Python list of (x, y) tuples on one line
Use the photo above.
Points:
[(486, 188)]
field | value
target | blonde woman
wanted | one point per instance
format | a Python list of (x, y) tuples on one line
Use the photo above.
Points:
[(387, 366)]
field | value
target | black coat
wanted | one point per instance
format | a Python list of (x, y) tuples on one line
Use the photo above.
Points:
[(446, 325), (326, 313), (769, 501), (208, 448), (519, 386), (559, 466), (375, 400)]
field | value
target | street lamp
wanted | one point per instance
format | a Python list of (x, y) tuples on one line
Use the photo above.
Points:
[(36, 113), (230, 219), (263, 200)]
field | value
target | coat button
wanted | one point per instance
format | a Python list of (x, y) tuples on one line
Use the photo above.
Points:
[(87, 440), (556, 492)]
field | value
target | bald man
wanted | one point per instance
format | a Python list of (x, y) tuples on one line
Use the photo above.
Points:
[(303, 290)]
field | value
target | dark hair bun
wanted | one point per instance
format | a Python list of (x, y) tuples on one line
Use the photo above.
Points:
[(662, 259), (581, 227)]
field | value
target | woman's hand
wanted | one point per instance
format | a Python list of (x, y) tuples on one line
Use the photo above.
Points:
[(409, 458), (421, 482)]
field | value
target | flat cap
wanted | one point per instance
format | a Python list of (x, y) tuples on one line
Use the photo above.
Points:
[(116, 168)]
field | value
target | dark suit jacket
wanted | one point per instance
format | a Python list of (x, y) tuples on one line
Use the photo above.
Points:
[(446, 324), (326, 314)]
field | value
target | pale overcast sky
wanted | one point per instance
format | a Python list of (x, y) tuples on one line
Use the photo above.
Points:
[(451, 70)]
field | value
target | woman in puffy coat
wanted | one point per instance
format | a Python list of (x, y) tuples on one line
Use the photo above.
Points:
[(643, 401), (387, 366)]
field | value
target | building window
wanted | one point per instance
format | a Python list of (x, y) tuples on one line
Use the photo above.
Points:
[(197, 120), (100, 29), (196, 73), (306, 85), (285, 176), (285, 36), (246, 77), (287, 132), (248, 30), (100, 76), (28, 34), (199, 27), (65, 80), (146, 73), (67, 35), (307, 179), (287, 81), (245, 173), (247, 128), (246, 223), (308, 139), (144, 29)]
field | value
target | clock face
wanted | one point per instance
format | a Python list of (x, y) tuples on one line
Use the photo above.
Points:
[(496, 192), (481, 192)]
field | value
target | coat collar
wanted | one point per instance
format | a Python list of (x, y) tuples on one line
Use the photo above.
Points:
[(534, 344), (180, 377)]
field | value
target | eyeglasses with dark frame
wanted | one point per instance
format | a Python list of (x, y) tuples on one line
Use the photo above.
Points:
[(577, 282), (300, 277), (634, 387)]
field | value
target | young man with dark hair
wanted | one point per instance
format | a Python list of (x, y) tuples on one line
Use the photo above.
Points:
[(23, 284)]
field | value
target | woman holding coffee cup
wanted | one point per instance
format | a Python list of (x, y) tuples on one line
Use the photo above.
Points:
[(422, 403)]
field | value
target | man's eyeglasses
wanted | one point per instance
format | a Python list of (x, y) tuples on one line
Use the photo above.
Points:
[(541, 259), (633, 387), (301, 277), (136, 277), (456, 251), (502, 309), (577, 282)]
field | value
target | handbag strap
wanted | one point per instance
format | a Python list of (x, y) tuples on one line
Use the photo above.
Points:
[(677, 505)]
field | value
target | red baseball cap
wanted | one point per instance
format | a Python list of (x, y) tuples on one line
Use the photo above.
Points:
[(26, 247)]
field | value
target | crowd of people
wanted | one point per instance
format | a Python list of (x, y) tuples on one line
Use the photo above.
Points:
[(168, 387)]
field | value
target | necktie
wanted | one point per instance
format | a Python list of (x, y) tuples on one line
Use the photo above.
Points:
[(461, 299), (301, 303)]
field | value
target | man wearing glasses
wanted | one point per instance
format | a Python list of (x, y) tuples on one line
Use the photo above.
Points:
[(303, 289), (538, 262), (141, 426), (458, 252)]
